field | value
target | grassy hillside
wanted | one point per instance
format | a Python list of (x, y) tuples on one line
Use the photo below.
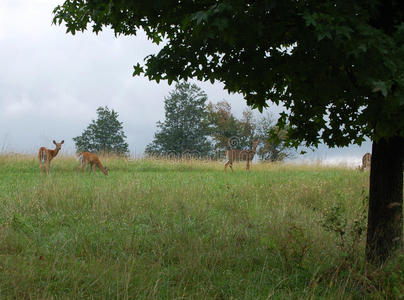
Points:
[(170, 230)]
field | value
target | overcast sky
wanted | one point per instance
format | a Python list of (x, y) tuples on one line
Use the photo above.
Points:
[(51, 84)]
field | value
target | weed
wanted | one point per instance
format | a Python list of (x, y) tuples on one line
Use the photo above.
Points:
[(158, 229)]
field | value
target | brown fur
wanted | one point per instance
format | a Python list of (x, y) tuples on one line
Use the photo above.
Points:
[(236, 154), (93, 160), (46, 155), (366, 162)]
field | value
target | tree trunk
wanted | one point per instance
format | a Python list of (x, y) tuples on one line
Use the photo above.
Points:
[(385, 217)]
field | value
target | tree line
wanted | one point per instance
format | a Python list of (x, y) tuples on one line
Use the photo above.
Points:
[(194, 127)]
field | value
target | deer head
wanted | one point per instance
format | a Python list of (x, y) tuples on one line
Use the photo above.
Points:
[(58, 145), (255, 144)]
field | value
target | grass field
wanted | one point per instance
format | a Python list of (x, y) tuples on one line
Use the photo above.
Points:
[(174, 230)]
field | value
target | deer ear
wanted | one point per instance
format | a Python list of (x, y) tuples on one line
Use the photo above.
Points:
[(54, 142), (62, 141)]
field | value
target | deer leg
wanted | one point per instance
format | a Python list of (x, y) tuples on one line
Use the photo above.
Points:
[(248, 165), (94, 167), (47, 167), (43, 168), (230, 164), (83, 167), (225, 166), (91, 168)]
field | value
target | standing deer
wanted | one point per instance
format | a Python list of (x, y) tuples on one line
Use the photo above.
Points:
[(366, 162), (88, 157), (236, 154), (46, 155)]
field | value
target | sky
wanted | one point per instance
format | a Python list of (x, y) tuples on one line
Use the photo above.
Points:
[(51, 84)]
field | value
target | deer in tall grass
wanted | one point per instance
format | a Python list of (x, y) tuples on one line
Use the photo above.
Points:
[(85, 158), (366, 162), (45, 156), (236, 154)]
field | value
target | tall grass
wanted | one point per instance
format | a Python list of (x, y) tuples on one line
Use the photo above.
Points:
[(155, 229)]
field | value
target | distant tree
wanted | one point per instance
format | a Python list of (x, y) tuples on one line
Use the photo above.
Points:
[(103, 135), (274, 146), (249, 124), (225, 129), (184, 130), (229, 132)]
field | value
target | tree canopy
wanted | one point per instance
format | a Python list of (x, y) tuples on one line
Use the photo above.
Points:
[(336, 65)]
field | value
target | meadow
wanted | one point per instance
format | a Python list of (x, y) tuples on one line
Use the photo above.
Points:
[(160, 229)]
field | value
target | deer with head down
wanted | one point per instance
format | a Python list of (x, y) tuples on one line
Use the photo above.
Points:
[(92, 159)]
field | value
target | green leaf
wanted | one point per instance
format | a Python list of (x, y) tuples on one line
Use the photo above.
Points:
[(310, 19), (363, 47), (381, 86), (200, 17), (137, 70), (344, 30)]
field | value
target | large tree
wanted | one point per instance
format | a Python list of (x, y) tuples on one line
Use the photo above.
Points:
[(337, 66), (184, 130), (105, 134)]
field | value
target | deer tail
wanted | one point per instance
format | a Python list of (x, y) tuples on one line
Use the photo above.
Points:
[(80, 157), (42, 155)]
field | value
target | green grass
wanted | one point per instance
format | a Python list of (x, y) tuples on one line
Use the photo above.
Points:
[(171, 230)]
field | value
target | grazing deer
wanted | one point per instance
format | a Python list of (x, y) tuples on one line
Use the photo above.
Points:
[(366, 162), (46, 155), (88, 157), (236, 154)]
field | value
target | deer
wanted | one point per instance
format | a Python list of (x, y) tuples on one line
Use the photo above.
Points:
[(46, 155), (366, 162), (236, 154), (87, 157)]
